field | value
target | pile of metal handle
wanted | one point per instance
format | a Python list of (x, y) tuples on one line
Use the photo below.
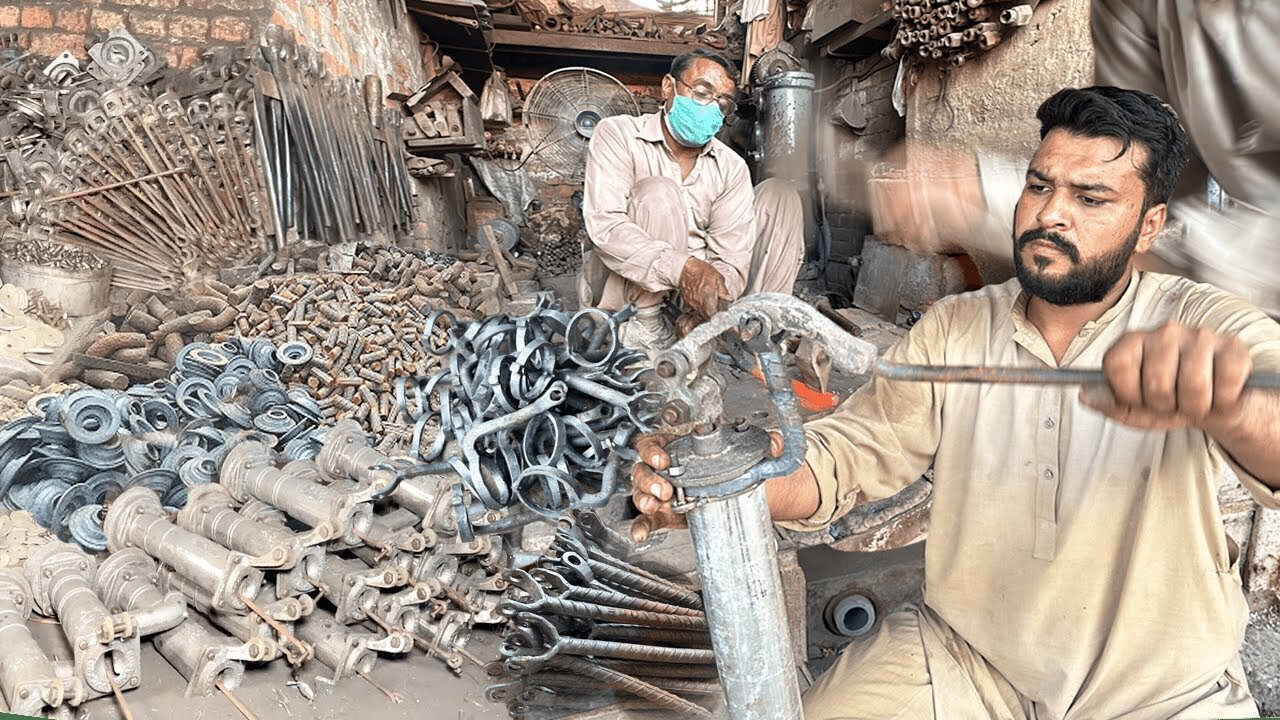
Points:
[(539, 409), (954, 31), (374, 570), (78, 450), (331, 152), (160, 185), (589, 629)]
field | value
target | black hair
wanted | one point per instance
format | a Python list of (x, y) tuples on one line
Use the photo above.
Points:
[(685, 59), (1129, 116)]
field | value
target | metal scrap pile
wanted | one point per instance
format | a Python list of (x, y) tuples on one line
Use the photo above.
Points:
[(667, 26), (170, 177), (304, 559), (160, 185), (589, 630), (555, 239), (79, 449), (954, 31), (533, 411)]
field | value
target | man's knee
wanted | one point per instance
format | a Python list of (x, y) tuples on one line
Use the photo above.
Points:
[(777, 198), (654, 193)]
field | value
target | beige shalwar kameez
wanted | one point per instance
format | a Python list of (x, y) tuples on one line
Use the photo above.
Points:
[(1075, 568), (644, 221)]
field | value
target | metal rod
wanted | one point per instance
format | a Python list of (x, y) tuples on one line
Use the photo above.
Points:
[(124, 705), (244, 710), (112, 186), (394, 697), (1259, 380)]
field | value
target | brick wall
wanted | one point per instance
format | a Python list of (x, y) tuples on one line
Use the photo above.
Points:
[(176, 30), (359, 37)]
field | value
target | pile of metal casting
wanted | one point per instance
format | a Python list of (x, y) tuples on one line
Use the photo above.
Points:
[(955, 31), (536, 410), (77, 450), (170, 177), (589, 629), (373, 570), (555, 241), (667, 26)]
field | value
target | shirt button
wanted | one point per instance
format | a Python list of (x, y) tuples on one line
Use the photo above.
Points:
[(1048, 473), (1048, 423)]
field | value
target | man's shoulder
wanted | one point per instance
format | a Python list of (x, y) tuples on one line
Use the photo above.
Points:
[(623, 125), (999, 297)]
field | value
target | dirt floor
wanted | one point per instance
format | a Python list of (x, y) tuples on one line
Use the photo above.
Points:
[(1261, 655)]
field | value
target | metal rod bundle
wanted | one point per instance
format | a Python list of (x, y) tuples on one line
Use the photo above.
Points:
[(954, 31)]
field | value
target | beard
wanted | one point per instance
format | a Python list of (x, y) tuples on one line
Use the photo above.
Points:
[(1085, 282)]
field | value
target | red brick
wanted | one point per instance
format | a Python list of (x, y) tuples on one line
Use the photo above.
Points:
[(190, 56), (75, 21), (24, 40), (9, 15), (148, 23), (311, 20), (278, 18), (186, 28), (106, 20), (154, 4), (51, 45), (173, 56), (37, 17), (239, 6), (228, 29)]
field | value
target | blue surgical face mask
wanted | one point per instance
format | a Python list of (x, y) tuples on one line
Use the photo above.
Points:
[(691, 123)]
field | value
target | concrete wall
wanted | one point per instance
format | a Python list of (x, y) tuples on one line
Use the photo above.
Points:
[(990, 102), (358, 36)]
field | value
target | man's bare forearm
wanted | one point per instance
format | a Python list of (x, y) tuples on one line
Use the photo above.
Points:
[(794, 496), (1253, 440)]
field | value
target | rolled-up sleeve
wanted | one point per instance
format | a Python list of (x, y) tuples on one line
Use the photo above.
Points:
[(883, 437), (623, 246), (731, 227)]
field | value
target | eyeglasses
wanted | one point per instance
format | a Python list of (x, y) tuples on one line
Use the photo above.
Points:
[(705, 96)]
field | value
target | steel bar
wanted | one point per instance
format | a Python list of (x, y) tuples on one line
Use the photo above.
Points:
[(1258, 380)]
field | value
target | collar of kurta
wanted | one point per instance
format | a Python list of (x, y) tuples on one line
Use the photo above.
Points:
[(1029, 336), (651, 131)]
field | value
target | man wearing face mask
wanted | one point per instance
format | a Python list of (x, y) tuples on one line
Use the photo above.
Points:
[(670, 211)]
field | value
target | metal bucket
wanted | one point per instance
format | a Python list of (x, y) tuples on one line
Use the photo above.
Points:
[(78, 292)]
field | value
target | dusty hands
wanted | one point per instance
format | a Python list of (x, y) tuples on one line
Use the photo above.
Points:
[(702, 287), (1173, 377), (652, 494)]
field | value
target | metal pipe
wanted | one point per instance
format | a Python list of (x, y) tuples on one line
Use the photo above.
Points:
[(136, 519), (28, 681), (1257, 380), (201, 658), (126, 581), (247, 473), (103, 646)]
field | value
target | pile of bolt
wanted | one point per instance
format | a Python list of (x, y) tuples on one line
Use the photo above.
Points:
[(161, 186), (669, 26), (589, 629), (541, 408), (956, 30), (332, 153), (77, 450), (366, 327), (555, 240)]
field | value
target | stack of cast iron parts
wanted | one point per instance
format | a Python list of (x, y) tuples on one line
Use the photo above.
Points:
[(541, 408), (160, 185), (332, 153), (957, 30), (78, 450), (366, 327), (589, 630)]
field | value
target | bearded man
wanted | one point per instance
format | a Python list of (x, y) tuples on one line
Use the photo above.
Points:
[(1076, 565)]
